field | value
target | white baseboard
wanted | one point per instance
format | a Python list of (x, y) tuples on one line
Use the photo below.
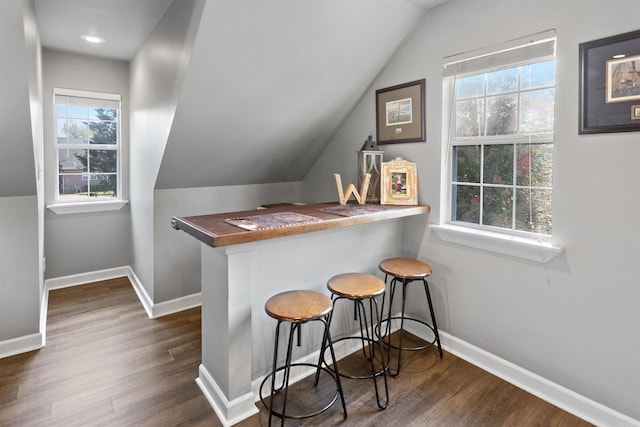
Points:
[(153, 310), (36, 341), (233, 412), (20, 345), (84, 278), (570, 401), (228, 412), (143, 296)]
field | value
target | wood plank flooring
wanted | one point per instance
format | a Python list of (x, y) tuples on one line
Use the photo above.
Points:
[(107, 364)]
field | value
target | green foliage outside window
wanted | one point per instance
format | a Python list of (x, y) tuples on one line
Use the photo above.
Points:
[(498, 180), (88, 151)]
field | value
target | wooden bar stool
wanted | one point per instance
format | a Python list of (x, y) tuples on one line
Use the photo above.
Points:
[(296, 308), (407, 270), (359, 287)]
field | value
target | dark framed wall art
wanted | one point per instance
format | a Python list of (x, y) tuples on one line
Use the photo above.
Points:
[(610, 84), (400, 113)]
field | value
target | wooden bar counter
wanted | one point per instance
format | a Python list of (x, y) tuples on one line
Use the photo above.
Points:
[(215, 231), (289, 247)]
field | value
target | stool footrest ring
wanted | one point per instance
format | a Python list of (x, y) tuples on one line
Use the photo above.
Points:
[(417, 348), (308, 415), (360, 377)]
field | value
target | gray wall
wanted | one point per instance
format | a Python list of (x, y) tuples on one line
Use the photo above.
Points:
[(81, 243), (157, 73), (17, 171), (177, 254), (575, 319), (20, 152), (19, 295)]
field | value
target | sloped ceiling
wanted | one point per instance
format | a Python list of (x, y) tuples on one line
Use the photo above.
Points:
[(270, 83), (17, 167)]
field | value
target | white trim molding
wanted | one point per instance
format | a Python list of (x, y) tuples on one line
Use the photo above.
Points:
[(37, 341), (519, 247), (20, 345), (228, 412), (153, 310), (87, 207), (164, 308), (84, 278)]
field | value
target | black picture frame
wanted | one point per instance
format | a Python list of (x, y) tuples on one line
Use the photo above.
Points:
[(400, 113), (608, 87)]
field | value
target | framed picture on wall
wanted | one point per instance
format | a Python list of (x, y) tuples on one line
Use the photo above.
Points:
[(399, 183), (610, 84), (400, 113)]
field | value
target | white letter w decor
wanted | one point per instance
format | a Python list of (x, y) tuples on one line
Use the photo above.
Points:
[(343, 196)]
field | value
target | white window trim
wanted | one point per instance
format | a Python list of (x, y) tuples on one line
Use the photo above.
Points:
[(74, 207), (87, 207), (505, 244), (537, 249)]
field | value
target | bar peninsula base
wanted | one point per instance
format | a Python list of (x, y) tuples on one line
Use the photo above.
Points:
[(242, 269)]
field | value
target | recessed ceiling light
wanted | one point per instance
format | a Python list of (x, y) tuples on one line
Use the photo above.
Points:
[(92, 39)]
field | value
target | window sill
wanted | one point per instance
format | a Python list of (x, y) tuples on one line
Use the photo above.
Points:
[(503, 244), (87, 207)]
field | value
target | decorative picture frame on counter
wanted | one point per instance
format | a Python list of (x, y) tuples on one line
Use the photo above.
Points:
[(399, 183), (400, 113), (610, 84)]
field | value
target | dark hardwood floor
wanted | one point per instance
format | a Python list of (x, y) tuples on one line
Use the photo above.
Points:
[(107, 364)]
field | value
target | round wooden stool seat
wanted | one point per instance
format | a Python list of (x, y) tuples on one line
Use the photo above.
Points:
[(298, 306), (356, 285), (406, 268)]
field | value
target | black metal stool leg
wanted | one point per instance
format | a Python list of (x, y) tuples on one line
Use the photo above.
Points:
[(275, 360), (372, 302), (364, 331), (387, 332), (287, 371), (433, 316), (323, 348), (335, 365), (401, 331), (392, 288)]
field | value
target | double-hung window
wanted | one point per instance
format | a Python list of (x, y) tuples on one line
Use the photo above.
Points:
[(87, 146), (499, 144)]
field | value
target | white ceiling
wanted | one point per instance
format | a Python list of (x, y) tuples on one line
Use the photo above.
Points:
[(124, 24)]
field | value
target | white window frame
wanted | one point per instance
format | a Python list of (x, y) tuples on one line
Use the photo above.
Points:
[(60, 206), (531, 246)]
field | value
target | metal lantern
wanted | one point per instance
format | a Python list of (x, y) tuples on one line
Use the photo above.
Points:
[(370, 162)]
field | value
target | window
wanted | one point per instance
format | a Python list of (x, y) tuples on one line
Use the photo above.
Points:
[(500, 138), (87, 146)]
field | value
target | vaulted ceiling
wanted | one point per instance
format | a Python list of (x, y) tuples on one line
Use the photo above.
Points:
[(124, 24), (269, 82)]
